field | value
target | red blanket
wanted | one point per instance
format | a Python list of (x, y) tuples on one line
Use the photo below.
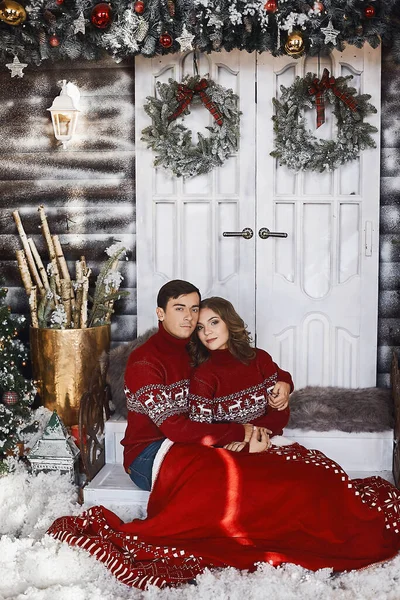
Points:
[(213, 508)]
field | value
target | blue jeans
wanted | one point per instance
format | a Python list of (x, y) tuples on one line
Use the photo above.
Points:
[(141, 468)]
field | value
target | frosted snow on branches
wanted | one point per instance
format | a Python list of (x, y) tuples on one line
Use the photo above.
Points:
[(126, 33), (58, 318), (292, 20), (116, 248), (112, 281)]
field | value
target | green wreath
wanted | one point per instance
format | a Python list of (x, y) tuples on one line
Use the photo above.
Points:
[(297, 147), (172, 141)]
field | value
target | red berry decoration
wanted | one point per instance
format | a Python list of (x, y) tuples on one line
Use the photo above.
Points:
[(318, 6), (138, 7), (101, 16), (369, 12), (271, 6), (54, 41), (166, 40)]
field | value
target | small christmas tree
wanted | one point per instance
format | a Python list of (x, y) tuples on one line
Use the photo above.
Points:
[(16, 392)]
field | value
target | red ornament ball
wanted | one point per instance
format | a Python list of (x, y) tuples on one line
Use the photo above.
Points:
[(369, 12), (271, 6), (138, 7), (54, 41), (166, 40), (319, 7), (10, 398), (101, 16), (59, 2)]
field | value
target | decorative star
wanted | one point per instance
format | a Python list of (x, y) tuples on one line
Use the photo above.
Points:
[(79, 24), (185, 40), (16, 67), (330, 33)]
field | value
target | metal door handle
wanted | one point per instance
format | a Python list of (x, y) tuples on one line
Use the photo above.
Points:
[(265, 233), (247, 233)]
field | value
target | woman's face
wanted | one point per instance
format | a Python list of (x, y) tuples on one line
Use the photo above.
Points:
[(212, 330)]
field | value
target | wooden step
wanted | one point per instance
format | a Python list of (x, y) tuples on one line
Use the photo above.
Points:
[(361, 451), (353, 451), (360, 454), (112, 485)]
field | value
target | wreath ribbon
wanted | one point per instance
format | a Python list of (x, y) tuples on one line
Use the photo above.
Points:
[(185, 94), (318, 88)]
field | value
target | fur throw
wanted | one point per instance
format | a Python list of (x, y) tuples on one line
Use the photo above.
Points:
[(117, 360), (311, 408), (349, 410)]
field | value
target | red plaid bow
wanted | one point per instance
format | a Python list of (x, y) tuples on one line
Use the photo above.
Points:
[(185, 95), (318, 88)]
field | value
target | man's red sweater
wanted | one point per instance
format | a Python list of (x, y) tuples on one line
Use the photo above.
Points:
[(225, 389), (156, 389)]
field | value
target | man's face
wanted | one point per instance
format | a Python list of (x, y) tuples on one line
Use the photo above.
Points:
[(180, 315)]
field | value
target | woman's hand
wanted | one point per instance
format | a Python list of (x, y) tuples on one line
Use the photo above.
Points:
[(279, 397), (259, 442), (249, 429)]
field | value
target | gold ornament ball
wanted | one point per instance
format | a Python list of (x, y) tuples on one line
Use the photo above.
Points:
[(12, 13), (294, 44)]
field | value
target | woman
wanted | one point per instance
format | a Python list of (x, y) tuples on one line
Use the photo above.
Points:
[(233, 381)]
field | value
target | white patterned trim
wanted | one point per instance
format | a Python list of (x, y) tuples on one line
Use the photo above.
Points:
[(158, 460), (240, 407), (159, 401)]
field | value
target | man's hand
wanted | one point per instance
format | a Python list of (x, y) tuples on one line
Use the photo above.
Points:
[(279, 397), (259, 443), (235, 446)]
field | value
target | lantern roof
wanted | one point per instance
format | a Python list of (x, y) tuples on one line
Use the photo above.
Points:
[(55, 442)]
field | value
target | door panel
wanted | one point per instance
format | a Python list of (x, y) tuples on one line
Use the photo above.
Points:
[(180, 222), (317, 289)]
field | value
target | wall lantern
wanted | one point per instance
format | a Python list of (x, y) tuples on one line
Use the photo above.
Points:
[(64, 112)]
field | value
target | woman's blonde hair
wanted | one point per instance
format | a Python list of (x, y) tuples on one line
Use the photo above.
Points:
[(239, 338)]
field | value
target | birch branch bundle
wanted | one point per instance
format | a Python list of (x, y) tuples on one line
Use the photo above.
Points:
[(64, 303), (50, 246), (33, 307), (28, 253), (24, 271), (39, 263)]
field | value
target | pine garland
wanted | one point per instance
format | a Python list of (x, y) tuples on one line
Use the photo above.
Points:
[(296, 146), (172, 141), (215, 24)]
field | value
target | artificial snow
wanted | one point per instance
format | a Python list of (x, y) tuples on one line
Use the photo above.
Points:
[(34, 566)]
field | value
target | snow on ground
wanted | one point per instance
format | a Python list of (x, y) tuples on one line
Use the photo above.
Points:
[(34, 566)]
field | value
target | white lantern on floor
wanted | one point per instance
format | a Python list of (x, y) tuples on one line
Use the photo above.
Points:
[(64, 113)]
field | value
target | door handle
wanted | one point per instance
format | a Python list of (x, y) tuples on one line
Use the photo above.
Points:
[(247, 233), (265, 233)]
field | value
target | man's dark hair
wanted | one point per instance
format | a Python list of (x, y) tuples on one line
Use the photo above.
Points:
[(174, 289)]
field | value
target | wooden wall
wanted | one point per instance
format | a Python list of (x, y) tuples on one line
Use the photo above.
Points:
[(389, 281), (89, 191)]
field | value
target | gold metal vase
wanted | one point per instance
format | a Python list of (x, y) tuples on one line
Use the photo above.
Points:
[(63, 362)]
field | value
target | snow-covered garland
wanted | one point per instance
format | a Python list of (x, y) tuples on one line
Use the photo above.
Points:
[(66, 29), (297, 147), (172, 141)]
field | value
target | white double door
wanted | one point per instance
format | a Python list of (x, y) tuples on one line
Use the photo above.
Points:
[(310, 299)]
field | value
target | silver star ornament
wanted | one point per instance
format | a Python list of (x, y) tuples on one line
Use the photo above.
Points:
[(185, 40), (79, 24), (16, 67), (330, 33)]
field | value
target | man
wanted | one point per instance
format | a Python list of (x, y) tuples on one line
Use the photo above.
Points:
[(156, 388)]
